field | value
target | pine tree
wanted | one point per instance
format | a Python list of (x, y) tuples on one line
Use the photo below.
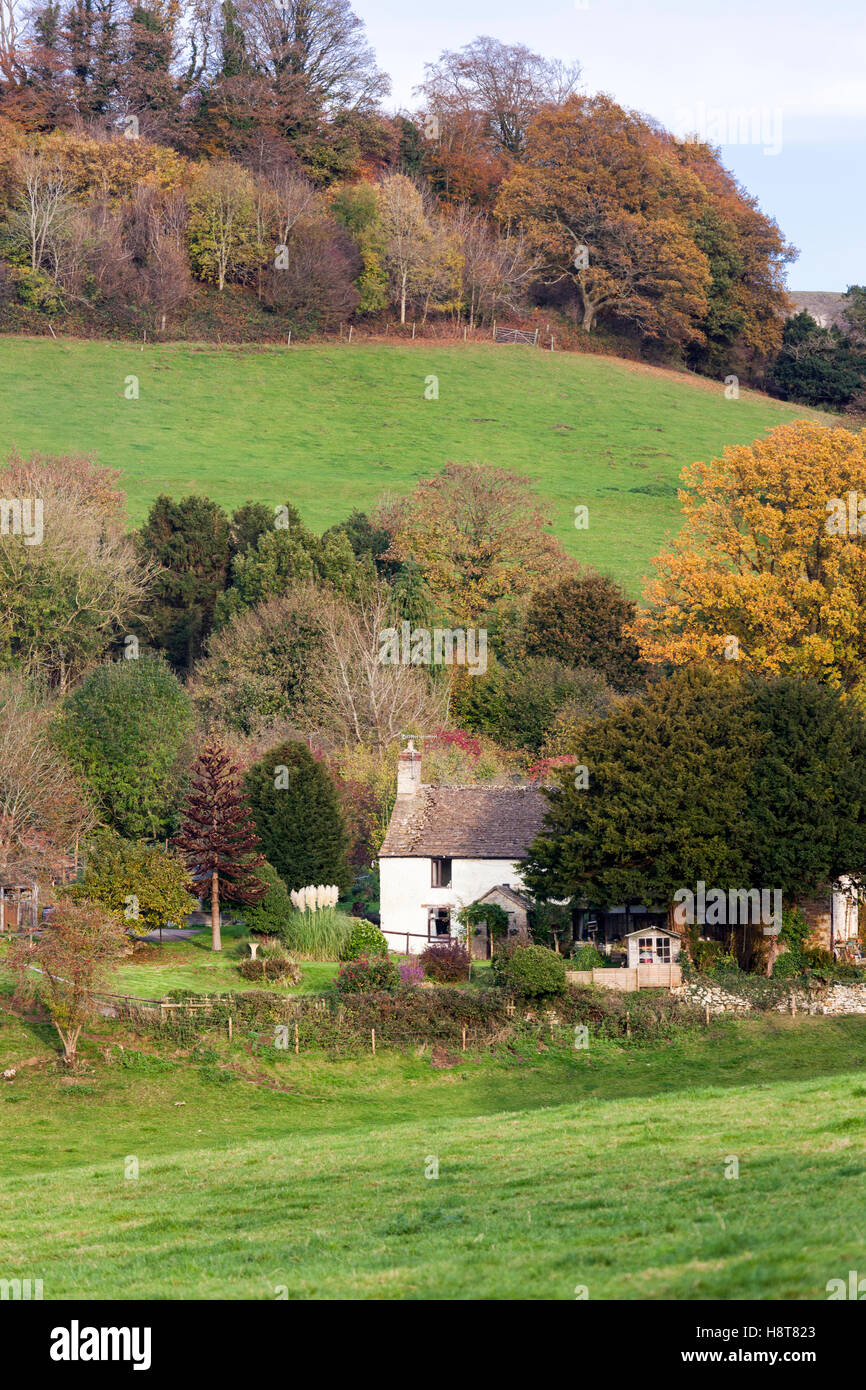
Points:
[(217, 838)]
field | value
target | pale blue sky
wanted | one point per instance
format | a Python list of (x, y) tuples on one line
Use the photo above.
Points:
[(798, 64)]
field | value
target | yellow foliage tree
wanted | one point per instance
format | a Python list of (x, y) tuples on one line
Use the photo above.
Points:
[(770, 566), (112, 168)]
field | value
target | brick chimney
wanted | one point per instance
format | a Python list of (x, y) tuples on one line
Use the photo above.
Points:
[(409, 770)]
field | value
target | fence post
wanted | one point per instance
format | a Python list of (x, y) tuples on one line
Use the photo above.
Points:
[(373, 1039)]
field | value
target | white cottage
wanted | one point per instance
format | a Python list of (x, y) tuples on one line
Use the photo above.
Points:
[(446, 847)]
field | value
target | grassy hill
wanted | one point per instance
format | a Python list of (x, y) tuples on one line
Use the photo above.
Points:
[(330, 427), (557, 1168)]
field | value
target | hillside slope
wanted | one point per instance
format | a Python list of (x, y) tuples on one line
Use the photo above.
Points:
[(330, 427)]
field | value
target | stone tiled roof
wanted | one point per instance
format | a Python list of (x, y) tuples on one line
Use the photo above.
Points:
[(510, 894), (465, 823)]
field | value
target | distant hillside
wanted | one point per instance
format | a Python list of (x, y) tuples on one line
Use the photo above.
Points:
[(331, 427), (826, 308)]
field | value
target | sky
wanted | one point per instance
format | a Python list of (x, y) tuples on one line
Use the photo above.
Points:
[(796, 68)]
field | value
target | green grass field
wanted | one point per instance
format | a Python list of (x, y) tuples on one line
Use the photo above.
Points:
[(331, 427), (557, 1169)]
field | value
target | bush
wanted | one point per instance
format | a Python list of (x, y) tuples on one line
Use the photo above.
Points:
[(411, 970), (317, 935), (272, 963), (588, 958), (816, 958), (445, 961), (272, 914), (530, 972), (368, 975), (364, 939)]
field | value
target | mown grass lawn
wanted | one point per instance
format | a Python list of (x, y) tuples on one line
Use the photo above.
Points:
[(331, 427), (557, 1169), (192, 965)]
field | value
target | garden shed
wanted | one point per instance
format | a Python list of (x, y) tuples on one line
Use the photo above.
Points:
[(652, 946)]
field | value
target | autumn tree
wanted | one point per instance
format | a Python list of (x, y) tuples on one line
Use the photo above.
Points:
[(769, 569), (319, 42), (260, 667), (354, 695), (63, 967), (495, 270), (478, 533), (70, 580), (44, 809), (217, 838), (407, 234), (605, 204), (221, 231)]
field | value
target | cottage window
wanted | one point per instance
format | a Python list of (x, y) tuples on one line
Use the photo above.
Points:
[(438, 923), (441, 873)]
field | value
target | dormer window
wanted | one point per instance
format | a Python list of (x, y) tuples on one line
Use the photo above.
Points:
[(441, 873)]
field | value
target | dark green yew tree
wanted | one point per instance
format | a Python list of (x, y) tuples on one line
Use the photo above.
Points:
[(298, 817)]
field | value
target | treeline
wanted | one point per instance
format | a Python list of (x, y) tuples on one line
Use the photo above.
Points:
[(149, 150), (120, 650)]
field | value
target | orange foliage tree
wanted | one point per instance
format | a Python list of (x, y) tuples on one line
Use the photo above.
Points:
[(770, 566)]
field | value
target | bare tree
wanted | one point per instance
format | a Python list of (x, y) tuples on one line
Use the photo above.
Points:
[(361, 698), (500, 85), (12, 65), (321, 42), (44, 200), (496, 270)]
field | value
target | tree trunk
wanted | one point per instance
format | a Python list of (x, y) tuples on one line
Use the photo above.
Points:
[(216, 939), (69, 1038)]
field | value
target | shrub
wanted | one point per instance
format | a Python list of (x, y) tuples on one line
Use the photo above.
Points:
[(411, 970), (368, 975), (272, 963), (531, 972), (317, 935), (272, 914), (816, 958), (364, 939), (588, 958), (445, 960)]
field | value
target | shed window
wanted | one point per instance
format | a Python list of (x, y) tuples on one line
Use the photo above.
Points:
[(654, 950), (441, 876)]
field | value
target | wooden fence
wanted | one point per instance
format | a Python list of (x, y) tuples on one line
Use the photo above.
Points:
[(630, 978)]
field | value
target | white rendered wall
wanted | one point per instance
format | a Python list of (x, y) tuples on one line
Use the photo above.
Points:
[(406, 894)]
